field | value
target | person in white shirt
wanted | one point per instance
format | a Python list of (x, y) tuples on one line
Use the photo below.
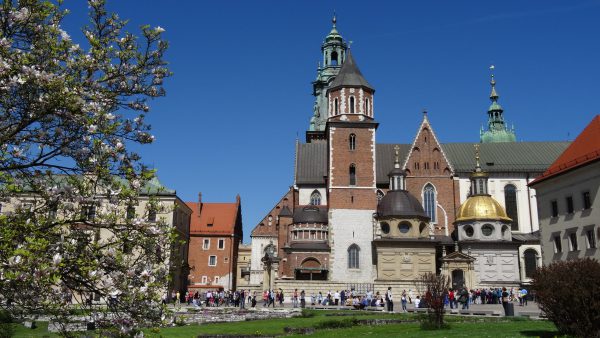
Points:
[(417, 301)]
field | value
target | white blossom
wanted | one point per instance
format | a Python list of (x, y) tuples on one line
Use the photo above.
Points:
[(57, 259), (159, 29)]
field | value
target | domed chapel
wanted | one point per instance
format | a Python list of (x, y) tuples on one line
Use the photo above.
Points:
[(366, 215)]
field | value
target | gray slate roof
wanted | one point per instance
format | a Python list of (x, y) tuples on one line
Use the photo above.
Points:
[(350, 75), (311, 163), (532, 157)]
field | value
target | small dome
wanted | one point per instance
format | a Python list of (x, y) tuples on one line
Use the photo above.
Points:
[(310, 214), (400, 203), (481, 207)]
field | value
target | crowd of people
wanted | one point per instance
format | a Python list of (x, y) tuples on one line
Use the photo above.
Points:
[(453, 298)]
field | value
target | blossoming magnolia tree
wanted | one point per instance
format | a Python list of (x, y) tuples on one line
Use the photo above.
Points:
[(68, 113)]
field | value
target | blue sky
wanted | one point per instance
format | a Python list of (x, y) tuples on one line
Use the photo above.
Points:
[(241, 90)]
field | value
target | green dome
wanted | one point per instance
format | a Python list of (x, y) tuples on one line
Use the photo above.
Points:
[(498, 136), (495, 106)]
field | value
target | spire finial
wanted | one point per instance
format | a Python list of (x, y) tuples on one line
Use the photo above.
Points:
[(334, 19), (493, 95), (397, 154)]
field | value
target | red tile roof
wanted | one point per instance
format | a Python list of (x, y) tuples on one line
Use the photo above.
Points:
[(222, 216), (585, 149)]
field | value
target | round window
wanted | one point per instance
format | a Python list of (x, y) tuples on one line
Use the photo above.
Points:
[(404, 227), (469, 231), (487, 230), (385, 228)]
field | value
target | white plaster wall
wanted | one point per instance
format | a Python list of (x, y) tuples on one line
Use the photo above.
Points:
[(503, 267), (259, 243), (528, 222), (305, 191), (349, 227), (572, 183)]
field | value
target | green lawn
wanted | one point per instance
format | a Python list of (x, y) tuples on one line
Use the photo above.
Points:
[(460, 327)]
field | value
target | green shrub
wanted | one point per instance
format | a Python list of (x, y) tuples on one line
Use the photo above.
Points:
[(307, 313), (568, 292), (335, 324), (6, 324)]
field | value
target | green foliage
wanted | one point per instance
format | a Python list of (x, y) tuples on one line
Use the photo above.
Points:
[(6, 327), (307, 313), (568, 292), (336, 323)]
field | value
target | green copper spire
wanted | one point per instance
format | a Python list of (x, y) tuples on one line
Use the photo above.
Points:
[(497, 129), (333, 50)]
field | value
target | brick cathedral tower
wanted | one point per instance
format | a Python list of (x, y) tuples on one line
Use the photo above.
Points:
[(351, 183)]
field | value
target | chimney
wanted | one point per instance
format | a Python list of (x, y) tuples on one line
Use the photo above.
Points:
[(199, 203)]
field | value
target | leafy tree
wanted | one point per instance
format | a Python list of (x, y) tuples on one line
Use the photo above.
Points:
[(68, 114), (567, 292), (434, 288)]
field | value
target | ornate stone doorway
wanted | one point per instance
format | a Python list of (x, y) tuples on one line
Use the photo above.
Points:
[(458, 278)]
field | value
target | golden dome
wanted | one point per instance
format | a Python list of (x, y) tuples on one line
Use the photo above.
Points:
[(481, 207)]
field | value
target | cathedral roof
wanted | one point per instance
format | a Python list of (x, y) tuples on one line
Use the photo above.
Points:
[(350, 75), (400, 203), (310, 214), (528, 157), (585, 149)]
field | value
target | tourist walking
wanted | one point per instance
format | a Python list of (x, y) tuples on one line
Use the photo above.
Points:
[(389, 300), (404, 301)]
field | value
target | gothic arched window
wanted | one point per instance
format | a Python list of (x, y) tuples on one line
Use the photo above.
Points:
[(353, 257), (510, 201), (530, 257), (352, 173), (351, 104), (315, 198), (352, 141), (429, 201)]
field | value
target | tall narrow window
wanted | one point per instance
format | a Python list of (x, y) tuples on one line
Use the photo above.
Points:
[(352, 141), (573, 242), (570, 207), (336, 108), (152, 214), (530, 258), (510, 201), (587, 201), (315, 198), (353, 257), (367, 107), (352, 173), (590, 237), (334, 59), (429, 201), (557, 244), (351, 104), (554, 206)]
